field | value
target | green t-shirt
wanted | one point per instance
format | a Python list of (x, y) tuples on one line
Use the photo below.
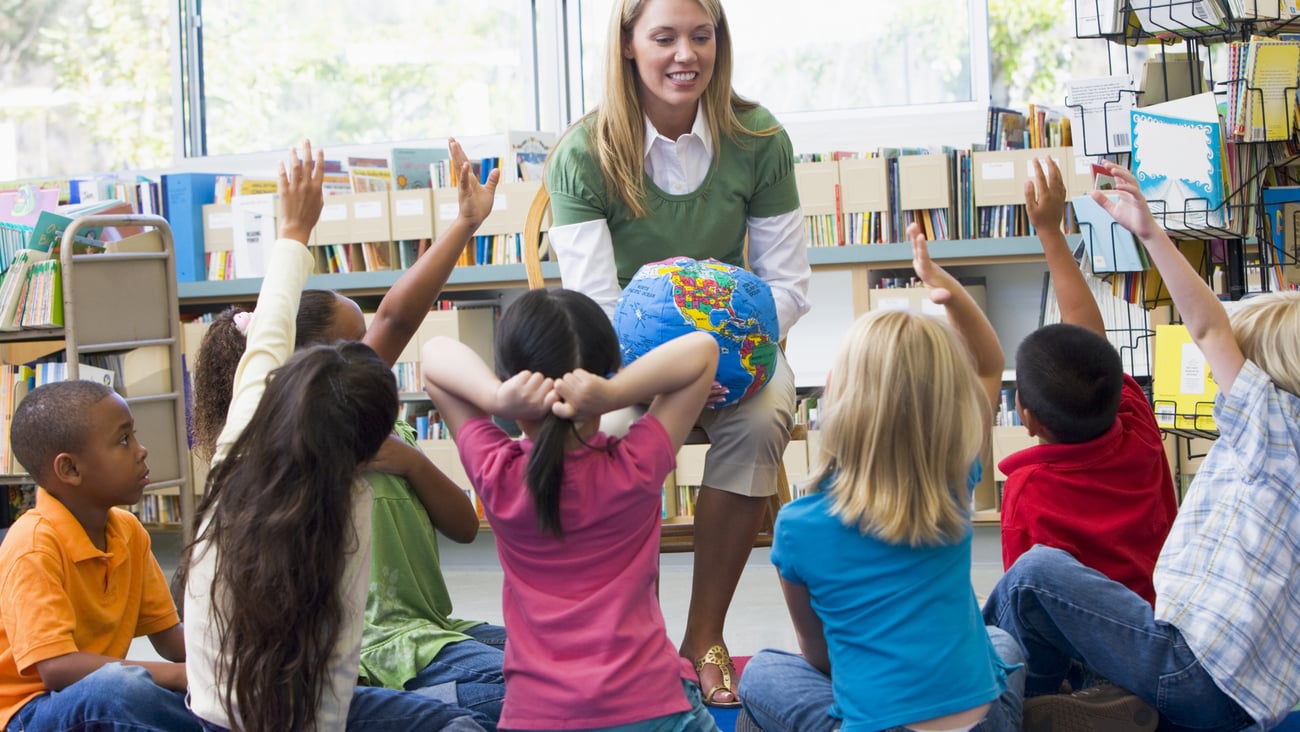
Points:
[(408, 607), (752, 177)]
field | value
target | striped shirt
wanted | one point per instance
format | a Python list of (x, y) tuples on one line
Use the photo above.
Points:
[(1229, 575)]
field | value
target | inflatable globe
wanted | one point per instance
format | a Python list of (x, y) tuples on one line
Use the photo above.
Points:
[(677, 296)]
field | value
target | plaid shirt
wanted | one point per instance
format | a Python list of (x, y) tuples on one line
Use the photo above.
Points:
[(1229, 575)]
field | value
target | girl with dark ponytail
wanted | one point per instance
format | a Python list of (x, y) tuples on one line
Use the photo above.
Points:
[(575, 511)]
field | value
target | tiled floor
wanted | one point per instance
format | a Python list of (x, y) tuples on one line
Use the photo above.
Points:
[(758, 617)]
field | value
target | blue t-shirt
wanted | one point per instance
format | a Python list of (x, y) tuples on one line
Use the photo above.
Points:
[(903, 629)]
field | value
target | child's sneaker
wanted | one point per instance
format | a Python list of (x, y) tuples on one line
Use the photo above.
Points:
[(1101, 708)]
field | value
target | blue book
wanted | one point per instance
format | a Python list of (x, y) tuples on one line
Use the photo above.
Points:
[(1178, 160), (1274, 198), (183, 198), (1110, 247)]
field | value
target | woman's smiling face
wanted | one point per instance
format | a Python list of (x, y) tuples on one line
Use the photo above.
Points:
[(673, 45)]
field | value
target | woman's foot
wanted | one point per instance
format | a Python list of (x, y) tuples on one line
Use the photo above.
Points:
[(717, 674)]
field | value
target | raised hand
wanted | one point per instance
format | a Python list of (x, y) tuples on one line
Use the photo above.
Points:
[(301, 199), (475, 198), (1126, 204), (936, 278), (1045, 197)]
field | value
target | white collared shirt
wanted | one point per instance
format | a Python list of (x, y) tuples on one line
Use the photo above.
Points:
[(777, 244)]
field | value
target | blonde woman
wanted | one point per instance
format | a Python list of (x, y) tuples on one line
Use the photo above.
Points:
[(674, 163), (875, 564)]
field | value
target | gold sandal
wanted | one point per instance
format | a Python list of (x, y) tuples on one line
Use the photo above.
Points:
[(718, 656)]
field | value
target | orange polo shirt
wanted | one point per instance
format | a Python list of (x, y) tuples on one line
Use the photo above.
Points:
[(59, 594)]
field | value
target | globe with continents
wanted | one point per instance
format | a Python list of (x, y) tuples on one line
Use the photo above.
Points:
[(676, 296)]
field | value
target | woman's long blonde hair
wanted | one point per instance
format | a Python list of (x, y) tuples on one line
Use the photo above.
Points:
[(903, 419), (617, 132)]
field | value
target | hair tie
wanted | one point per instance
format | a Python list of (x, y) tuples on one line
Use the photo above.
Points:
[(241, 320)]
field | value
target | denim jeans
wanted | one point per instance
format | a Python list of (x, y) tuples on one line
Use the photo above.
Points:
[(113, 698), (468, 673), (784, 693), (387, 710), (1064, 613), (695, 719)]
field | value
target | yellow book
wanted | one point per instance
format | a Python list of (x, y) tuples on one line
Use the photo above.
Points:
[(1183, 389)]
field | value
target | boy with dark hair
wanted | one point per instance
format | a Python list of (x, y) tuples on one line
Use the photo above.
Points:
[(78, 580), (1098, 484)]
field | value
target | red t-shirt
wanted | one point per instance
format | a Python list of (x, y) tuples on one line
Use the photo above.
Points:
[(588, 647), (1109, 501)]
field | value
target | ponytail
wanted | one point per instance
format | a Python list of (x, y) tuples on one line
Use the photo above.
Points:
[(545, 472)]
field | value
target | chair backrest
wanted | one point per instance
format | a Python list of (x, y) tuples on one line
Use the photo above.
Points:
[(536, 244)]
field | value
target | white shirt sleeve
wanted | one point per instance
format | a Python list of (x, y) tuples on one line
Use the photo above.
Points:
[(778, 252), (585, 252)]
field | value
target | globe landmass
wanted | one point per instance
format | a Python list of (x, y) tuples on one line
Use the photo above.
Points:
[(670, 298)]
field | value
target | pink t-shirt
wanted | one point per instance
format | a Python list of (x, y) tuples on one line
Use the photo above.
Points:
[(587, 645)]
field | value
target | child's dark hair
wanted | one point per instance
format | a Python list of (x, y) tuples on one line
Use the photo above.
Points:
[(553, 332), (218, 357), (1071, 379), (281, 497), (51, 420)]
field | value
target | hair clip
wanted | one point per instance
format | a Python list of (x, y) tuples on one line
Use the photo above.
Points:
[(241, 320)]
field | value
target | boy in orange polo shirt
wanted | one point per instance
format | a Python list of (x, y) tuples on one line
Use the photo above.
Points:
[(78, 580)]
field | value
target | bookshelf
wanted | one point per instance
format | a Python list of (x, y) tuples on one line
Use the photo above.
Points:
[(120, 307)]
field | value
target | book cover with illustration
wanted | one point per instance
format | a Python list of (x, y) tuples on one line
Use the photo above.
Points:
[(1178, 159), (410, 166)]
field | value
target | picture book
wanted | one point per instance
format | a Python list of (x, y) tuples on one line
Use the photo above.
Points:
[(1182, 388), (1168, 76), (23, 206), (529, 150), (1110, 247), (409, 166), (14, 283), (1178, 158), (1269, 102), (1274, 198)]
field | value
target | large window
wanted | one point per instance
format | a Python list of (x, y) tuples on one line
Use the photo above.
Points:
[(363, 71), (824, 55), (85, 86), (842, 75)]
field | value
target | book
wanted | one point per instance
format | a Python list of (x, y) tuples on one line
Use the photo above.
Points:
[(43, 306), (409, 166), (1268, 108), (1182, 388), (1099, 111), (1110, 247), (183, 198), (1178, 158), (1168, 76), (14, 283), (529, 150), (1164, 18), (1098, 17), (23, 205), (254, 221)]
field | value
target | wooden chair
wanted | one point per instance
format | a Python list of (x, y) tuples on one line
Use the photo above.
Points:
[(674, 537)]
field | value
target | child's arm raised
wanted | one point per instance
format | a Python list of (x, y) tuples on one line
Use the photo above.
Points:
[(462, 387), (1206, 320), (271, 331), (676, 375), (964, 314), (1045, 203), (449, 509), (403, 308)]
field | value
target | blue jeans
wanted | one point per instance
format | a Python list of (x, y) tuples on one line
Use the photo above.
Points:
[(468, 673), (113, 698), (1064, 613), (695, 719), (387, 710), (784, 693)]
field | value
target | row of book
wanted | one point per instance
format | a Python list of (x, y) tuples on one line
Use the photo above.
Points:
[(158, 509), (1168, 20)]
